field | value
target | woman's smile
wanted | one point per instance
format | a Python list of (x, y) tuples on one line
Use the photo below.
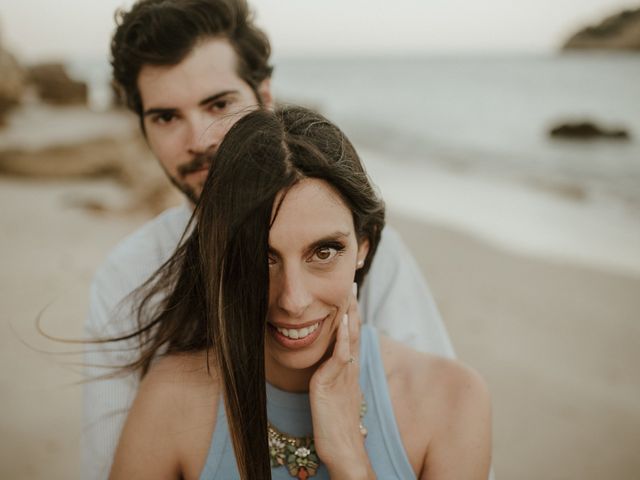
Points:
[(297, 337)]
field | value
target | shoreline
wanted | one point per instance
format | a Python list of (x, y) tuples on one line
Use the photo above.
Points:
[(522, 215), (514, 215)]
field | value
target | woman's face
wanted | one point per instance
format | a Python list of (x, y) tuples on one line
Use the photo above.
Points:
[(313, 257)]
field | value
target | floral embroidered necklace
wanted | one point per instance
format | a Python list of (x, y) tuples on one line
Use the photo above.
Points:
[(298, 454)]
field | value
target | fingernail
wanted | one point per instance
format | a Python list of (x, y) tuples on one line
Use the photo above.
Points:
[(354, 288), (345, 319)]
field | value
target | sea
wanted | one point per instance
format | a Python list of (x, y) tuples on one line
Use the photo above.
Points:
[(489, 113), (441, 128)]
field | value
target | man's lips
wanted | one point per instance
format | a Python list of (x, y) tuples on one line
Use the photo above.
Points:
[(197, 164), (194, 171)]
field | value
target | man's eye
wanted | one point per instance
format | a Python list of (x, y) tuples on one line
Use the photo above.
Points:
[(220, 105), (163, 118)]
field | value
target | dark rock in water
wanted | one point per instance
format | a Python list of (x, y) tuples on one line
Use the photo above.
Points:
[(55, 86), (587, 131), (617, 32), (12, 79)]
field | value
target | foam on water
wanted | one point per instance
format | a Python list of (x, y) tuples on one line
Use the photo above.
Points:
[(512, 215)]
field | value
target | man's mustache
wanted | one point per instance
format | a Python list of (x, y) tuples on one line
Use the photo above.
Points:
[(198, 162)]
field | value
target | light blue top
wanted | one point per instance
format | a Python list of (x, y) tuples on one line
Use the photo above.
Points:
[(291, 413)]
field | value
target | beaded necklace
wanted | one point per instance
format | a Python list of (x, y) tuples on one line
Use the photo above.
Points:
[(298, 454)]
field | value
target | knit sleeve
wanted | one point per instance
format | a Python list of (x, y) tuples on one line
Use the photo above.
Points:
[(396, 299)]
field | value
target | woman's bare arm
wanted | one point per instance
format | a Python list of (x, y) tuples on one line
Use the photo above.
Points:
[(443, 412)]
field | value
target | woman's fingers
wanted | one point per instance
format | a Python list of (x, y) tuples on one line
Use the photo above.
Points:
[(336, 397), (342, 350), (347, 348), (335, 365), (354, 324)]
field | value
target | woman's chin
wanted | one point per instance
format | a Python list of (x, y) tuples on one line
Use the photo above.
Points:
[(298, 360), (292, 371)]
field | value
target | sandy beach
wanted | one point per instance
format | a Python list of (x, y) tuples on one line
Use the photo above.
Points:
[(558, 344), (556, 339)]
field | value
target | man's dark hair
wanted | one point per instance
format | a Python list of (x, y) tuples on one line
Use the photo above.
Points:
[(163, 32)]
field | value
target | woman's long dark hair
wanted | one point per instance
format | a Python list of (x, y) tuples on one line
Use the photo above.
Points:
[(212, 294)]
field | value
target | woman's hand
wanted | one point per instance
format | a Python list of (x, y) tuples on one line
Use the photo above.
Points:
[(336, 398)]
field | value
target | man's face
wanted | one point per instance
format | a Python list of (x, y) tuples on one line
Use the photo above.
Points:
[(188, 108)]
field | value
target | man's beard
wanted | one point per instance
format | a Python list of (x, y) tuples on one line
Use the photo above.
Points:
[(197, 163)]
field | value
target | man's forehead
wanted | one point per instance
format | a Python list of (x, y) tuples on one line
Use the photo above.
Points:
[(207, 70)]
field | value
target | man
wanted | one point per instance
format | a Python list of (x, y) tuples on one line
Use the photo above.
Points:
[(189, 69)]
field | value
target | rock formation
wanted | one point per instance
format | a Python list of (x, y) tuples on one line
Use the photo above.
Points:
[(127, 161), (12, 78), (587, 130), (617, 32), (54, 85)]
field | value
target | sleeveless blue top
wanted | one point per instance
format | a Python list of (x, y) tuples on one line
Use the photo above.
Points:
[(291, 413)]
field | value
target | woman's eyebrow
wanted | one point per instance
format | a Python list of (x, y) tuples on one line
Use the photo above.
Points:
[(333, 237)]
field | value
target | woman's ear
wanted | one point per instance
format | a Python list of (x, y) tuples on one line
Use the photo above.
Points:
[(363, 250)]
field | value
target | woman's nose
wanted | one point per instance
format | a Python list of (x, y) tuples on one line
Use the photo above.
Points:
[(294, 296)]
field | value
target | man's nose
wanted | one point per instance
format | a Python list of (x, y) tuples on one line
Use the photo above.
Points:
[(294, 297)]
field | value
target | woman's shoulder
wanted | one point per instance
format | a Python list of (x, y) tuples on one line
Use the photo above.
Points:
[(183, 378), (176, 406), (193, 369), (177, 384), (441, 405), (429, 376)]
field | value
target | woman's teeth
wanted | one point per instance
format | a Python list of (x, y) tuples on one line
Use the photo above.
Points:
[(298, 333)]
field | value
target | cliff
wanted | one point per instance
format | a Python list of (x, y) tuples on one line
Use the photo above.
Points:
[(12, 77), (617, 32)]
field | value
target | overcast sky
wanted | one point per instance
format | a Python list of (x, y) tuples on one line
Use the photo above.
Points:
[(60, 29)]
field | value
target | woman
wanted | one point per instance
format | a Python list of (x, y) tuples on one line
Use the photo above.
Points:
[(265, 363)]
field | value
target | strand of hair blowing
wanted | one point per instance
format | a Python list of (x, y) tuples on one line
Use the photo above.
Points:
[(233, 229), (240, 314)]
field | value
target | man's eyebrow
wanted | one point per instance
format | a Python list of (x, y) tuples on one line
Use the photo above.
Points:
[(157, 111), (217, 96), (206, 101), (333, 237)]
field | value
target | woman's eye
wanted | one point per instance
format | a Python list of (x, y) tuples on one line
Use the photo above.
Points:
[(324, 254)]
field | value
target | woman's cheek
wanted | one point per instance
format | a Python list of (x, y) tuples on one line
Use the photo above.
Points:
[(338, 288)]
